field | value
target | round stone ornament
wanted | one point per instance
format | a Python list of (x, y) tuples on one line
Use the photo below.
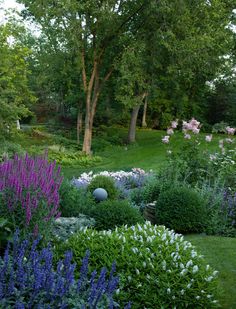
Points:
[(100, 194)]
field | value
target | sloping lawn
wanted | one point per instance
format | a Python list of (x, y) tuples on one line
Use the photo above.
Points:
[(220, 253)]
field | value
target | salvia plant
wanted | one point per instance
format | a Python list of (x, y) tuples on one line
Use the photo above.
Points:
[(28, 279), (29, 192)]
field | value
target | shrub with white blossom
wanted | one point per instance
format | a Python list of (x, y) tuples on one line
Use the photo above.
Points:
[(157, 267)]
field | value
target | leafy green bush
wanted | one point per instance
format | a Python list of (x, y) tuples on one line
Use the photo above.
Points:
[(109, 214), (157, 268), (73, 201), (106, 183), (8, 149), (181, 209)]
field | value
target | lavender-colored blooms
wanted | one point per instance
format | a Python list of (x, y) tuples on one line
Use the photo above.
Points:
[(229, 207), (27, 185), (42, 286), (124, 181)]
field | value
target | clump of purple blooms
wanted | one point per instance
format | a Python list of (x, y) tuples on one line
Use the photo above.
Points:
[(29, 191), (124, 181), (28, 279), (229, 208)]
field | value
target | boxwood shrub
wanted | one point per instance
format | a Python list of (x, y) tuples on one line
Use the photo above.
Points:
[(157, 268), (106, 183), (181, 209), (109, 214)]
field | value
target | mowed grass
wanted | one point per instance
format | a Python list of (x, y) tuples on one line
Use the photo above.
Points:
[(148, 152), (220, 253)]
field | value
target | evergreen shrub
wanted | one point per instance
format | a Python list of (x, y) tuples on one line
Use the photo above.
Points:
[(106, 183), (181, 209)]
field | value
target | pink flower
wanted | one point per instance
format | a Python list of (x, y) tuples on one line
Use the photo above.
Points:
[(170, 131), (194, 123), (174, 124), (230, 131), (195, 130), (165, 139), (208, 138), (187, 136)]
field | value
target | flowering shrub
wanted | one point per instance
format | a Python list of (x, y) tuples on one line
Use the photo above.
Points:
[(29, 192), (157, 268), (123, 180), (195, 164), (28, 279)]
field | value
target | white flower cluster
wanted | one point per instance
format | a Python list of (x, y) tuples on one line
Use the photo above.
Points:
[(157, 252), (85, 178)]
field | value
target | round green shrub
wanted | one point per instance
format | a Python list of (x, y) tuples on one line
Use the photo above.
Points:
[(157, 268), (106, 183), (74, 201), (181, 209), (113, 213)]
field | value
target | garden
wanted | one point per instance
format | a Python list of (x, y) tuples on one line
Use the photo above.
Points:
[(117, 154), (158, 238)]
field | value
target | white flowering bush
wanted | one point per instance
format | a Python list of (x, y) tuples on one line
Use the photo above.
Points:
[(156, 266)]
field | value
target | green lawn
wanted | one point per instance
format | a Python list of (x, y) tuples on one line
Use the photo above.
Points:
[(148, 153), (220, 253)]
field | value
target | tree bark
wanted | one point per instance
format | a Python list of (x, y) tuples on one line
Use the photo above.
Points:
[(79, 126), (132, 126), (144, 123)]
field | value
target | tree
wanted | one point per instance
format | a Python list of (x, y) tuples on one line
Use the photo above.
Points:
[(94, 30), (133, 82), (15, 96)]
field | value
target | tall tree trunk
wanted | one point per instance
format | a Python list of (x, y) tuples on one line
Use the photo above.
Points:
[(144, 123), (87, 136), (132, 126), (79, 126)]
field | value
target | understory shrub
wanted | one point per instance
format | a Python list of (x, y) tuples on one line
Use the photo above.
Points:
[(9, 149), (106, 183), (157, 268), (109, 214), (181, 209), (74, 201), (29, 193), (28, 279)]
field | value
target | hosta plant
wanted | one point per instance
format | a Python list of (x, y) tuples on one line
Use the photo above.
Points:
[(157, 268)]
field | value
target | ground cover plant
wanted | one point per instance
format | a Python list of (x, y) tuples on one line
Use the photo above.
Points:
[(28, 279), (157, 268)]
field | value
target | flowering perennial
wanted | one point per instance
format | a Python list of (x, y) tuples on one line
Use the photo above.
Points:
[(28, 279), (154, 259), (29, 187), (135, 178)]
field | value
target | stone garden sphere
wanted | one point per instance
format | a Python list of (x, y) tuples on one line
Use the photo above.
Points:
[(100, 194)]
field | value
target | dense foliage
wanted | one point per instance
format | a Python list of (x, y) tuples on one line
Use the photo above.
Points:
[(157, 268), (110, 214), (29, 193), (105, 182), (181, 209), (28, 279)]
